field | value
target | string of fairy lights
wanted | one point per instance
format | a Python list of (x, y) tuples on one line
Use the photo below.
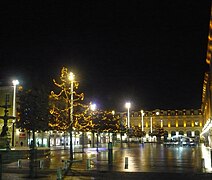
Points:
[(84, 118)]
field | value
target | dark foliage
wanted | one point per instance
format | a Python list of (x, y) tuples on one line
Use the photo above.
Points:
[(33, 109)]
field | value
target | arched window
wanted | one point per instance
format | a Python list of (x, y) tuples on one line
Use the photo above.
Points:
[(173, 133), (166, 133), (197, 133), (181, 133), (189, 133)]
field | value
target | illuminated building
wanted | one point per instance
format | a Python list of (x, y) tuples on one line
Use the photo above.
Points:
[(174, 122), (206, 93)]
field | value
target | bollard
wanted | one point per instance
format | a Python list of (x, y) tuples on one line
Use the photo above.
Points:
[(66, 164), (0, 166), (126, 162), (211, 158), (19, 163), (59, 174), (203, 164), (110, 154), (41, 164), (88, 164)]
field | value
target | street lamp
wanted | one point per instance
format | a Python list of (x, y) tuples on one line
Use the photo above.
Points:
[(161, 123), (142, 120), (13, 133), (15, 83), (128, 105), (71, 78), (93, 107), (150, 124)]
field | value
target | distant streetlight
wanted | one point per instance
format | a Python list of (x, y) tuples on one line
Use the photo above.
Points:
[(128, 106), (142, 120), (15, 83), (93, 107), (161, 123), (150, 124), (71, 78)]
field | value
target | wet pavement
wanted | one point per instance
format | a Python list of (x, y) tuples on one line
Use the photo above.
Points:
[(147, 157), (130, 161)]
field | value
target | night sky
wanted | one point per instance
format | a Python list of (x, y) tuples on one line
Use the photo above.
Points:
[(151, 53)]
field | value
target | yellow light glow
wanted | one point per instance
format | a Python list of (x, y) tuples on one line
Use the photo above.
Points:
[(184, 124), (59, 120), (176, 124), (169, 124), (192, 124), (208, 61)]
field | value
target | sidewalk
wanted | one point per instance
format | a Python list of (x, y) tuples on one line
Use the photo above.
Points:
[(78, 175), (99, 169), (110, 175)]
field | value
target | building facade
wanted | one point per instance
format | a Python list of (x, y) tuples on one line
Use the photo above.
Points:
[(207, 93), (174, 122)]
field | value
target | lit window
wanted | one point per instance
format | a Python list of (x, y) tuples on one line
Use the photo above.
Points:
[(196, 123)]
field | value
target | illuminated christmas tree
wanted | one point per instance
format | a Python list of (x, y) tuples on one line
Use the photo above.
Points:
[(66, 107), (62, 104)]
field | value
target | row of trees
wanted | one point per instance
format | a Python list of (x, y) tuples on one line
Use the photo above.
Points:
[(40, 110)]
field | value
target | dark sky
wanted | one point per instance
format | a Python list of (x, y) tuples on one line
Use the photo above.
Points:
[(151, 53)]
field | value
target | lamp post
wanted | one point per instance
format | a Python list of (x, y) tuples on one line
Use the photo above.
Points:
[(161, 123), (71, 78), (151, 124), (142, 120), (128, 105), (93, 108), (15, 83), (13, 133)]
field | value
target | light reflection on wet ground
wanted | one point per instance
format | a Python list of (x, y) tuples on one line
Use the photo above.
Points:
[(145, 158), (148, 157), (156, 158)]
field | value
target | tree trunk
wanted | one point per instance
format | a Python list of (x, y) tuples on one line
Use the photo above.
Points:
[(93, 139), (121, 139), (97, 142), (83, 141)]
